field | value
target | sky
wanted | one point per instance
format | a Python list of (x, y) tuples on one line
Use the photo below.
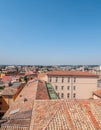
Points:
[(50, 32)]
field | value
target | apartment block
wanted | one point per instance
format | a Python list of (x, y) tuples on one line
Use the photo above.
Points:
[(73, 84)]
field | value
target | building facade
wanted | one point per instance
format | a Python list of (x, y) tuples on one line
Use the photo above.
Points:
[(73, 84)]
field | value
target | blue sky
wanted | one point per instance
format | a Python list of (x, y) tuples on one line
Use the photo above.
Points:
[(50, 32)]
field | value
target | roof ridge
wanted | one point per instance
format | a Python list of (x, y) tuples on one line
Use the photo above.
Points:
[(32, 117), (68, 115), (33, 110), (92, 117)]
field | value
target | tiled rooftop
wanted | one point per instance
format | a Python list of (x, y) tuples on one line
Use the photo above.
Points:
[(16, 84), (97, 93), (33, 110), (19, 114), (42, 92), (57, 115), (71, 73), (41, 75), (6, 78), (9, 91), (23, 104), (67, 115)]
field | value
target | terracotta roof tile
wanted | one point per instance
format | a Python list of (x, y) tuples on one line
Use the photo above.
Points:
[(6, 78), (31, 114), (97, 93), (25, 98), (33, 90), (9, 91), (59, 115), (71, 73), (41, 75), (42, 92)]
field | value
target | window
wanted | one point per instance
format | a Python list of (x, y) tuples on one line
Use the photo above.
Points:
[(74, 95), (56, 79), (58, 94), (68, 87), (62, 79), (74, 80), (68, 95), (68, 79), (62, 87), (62, 95), (56, 87), (74, 87)]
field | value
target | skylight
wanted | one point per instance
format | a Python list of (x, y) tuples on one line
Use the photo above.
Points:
[(14, 111)]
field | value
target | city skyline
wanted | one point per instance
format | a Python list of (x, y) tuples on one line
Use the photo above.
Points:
[(50, 32)]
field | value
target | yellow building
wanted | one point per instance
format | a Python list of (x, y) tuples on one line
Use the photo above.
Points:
[(2, 75), (7, 98)]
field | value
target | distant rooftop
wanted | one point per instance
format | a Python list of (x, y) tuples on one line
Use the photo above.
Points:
[(16, 84), (8, 91)]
